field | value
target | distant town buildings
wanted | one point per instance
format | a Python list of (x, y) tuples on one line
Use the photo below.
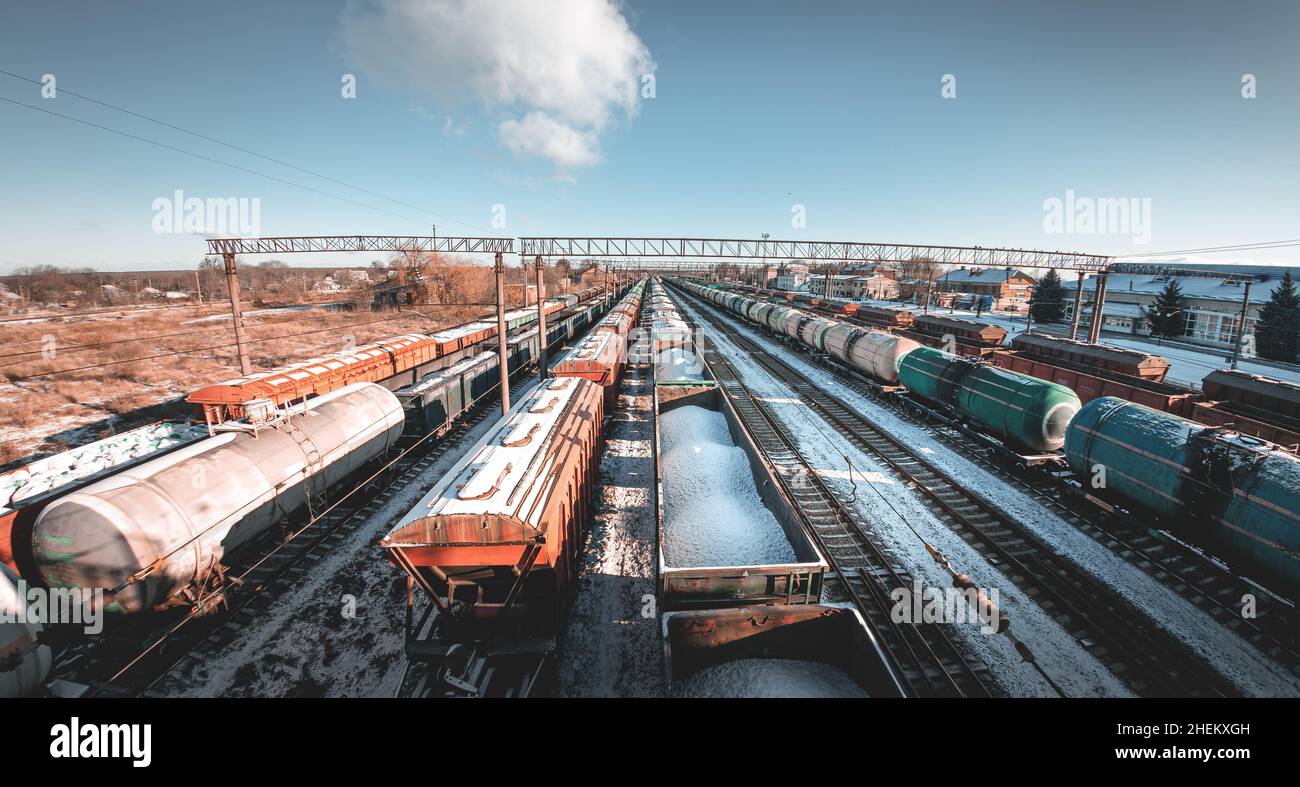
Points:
[(853, 287), (791, 275), (1212, 302), (1004, 288)]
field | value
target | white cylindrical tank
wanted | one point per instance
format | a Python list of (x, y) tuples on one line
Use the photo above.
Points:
[(24, 664), (875, 352), (794, 321), (879, 354), (166, 524)]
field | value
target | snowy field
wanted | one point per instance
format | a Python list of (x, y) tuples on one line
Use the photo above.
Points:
[(880, 499)]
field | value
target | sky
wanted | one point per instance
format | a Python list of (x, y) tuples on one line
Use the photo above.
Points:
[(954, 123)]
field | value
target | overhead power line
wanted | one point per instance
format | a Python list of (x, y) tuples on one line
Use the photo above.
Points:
[(241, 149), (1273, 244)]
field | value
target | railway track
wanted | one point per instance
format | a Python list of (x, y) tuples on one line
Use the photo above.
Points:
[(162, 647), (1146, 658), (1198, 578), (1218, 591), (928, 662)]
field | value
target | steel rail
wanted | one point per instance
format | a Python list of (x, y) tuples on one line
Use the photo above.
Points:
[(923, 655), (1148, 659)]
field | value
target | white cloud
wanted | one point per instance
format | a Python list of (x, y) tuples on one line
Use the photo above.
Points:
[(538, 134), (558, 72)]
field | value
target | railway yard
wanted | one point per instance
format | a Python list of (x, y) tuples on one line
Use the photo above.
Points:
[(693, 488)]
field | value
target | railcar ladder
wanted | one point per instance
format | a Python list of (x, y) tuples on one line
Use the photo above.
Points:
[(312, 468)]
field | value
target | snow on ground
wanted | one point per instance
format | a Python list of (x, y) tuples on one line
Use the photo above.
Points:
[(768, 678), (1239, 661), (611, 646), (305, 643), (886, 507), (713, 515)]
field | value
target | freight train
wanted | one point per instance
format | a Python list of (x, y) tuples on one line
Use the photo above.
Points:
[(1027, 414), (398, 361), (740, 577), (1215, 485), (1250, 404), (24, 660), (154, 535), (435, 401), (495, 545)]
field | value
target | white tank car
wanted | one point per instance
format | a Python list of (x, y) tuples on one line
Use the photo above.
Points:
[(875, 352), (24, 664), (148, 533)]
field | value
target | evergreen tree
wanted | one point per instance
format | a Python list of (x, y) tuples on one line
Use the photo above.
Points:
[(1277, 334), (1166, 315), (1047, 303)]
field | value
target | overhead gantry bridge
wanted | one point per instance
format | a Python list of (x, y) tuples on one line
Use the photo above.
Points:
[(681, 255)]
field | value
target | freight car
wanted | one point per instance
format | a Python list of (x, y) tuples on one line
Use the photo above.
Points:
[(1024, 412), (25, 491), (881, 316), (435, 402), (24, 661), (1255, 396), (495, 544), (1214, 486), (155, 534), (394, 362), (1133, 363), (1090, 383), (598, 358), (872, 352), (802, 651), (966, 336), (877, 353), (727, 533)]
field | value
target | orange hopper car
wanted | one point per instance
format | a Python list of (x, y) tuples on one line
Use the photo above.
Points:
[(598, 358), (497, 540)]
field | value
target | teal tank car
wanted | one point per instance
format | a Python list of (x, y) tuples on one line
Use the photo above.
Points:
[(1210, 485), (1024, 412)]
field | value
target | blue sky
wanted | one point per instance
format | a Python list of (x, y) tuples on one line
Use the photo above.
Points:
[(758, 107)]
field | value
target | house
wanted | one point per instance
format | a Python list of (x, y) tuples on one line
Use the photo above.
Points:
[(348, 277), (855, 288), (791, 275), (1213, 298), (1008, 288)]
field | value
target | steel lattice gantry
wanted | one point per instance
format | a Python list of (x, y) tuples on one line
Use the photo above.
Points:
[(344, 243), (847, 251)]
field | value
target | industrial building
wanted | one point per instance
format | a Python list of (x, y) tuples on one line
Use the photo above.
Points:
[(1212, 306)]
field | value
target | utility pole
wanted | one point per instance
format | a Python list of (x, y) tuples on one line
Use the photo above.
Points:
[(541, 318), (1241, 323), (232, 284), (198, 287), (1094, 332), (606, 287), (1078, 306), (503, 357), (928, 282)]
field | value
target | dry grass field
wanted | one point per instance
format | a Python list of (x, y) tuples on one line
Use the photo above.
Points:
[(49, 402)]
